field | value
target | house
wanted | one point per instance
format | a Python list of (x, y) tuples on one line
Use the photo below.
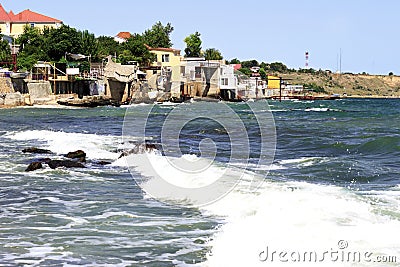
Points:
[(13, 25), (121, 37), (228, 82), (199, 77), (165, 69)]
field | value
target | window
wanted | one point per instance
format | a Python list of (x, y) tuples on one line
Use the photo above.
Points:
[(32, 25), (165, 58), (197, 71), (224, 81), (183, 70)]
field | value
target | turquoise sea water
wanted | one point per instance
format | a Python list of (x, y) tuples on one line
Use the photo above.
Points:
[(335, 177)]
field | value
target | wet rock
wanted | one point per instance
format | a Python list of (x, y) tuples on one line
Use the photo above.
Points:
[(139, 149), (64, 163), (36, 150), (79, 154), (34, 166), (103, 162)]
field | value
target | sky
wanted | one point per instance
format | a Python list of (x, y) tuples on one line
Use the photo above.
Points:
[(366, 33)]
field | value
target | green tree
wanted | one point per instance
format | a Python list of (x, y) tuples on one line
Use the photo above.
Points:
[(88, 44), (263, 74), (234, 61), (193, 45), (278, 67), (5, 51), (158, 35), (245, 71), (213, 54), (107, 46), (134, 49), (249, 63), (32, 48), (63, 40)]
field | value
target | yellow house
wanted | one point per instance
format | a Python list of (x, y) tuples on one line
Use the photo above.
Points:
[(167, 58), (167, 65), (273, 82), (13, 25)]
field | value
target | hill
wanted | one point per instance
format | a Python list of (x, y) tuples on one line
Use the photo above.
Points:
[(351, 84)]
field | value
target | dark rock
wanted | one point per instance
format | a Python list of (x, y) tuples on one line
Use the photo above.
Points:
[(139, 149), (34, 166), (43, 160), (103, 162), (64, 163), (36, 150), (79, 154)]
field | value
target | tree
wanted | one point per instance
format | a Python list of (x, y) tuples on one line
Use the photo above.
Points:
[(391, 74), (63, 40), (234, 61), (263, 74), (278, 67), (212, 54), (88, 44), (5, 51), (33, 48), (245, 71), (249, 63), (134, 49), (107, 46), (158, 35), (193, 45)]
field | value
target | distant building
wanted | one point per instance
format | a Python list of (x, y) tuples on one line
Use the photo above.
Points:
[(274, 82), (122, 37), (13, 25)]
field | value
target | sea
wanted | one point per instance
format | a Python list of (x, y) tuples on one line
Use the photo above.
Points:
[(305, 183)]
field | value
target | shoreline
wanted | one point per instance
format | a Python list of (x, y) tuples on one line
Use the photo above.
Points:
[(53, 104)]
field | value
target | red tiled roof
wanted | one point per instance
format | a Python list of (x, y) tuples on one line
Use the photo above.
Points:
[(3, 15), (124, 35), (25, 16), (30, 16)]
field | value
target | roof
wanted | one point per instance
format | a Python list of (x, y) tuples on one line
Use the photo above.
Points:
[(3, 14), (25, 16), (173, 50), (30, 16), (124, 35)]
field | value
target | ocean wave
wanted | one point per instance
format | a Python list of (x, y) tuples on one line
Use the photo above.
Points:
[(298, 216), (95, 146)]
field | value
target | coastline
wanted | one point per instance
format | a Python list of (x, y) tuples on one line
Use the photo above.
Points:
[(53, 103)]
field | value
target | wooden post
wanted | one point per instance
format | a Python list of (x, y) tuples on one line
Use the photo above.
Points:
[(54, 79)]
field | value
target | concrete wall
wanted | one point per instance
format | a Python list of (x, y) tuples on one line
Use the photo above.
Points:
[(39, 91), (6, 86), (14, 99)]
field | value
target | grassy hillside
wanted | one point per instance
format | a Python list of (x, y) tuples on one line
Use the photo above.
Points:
[(352, 84)]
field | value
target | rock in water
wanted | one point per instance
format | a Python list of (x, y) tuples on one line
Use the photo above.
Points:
[(79, 154), (34, 166), (139, 149), (36, 150), (103, 162), (64, 163)]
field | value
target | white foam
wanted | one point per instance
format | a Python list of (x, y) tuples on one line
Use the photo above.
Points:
[(110, 214), (298, 217), (303, 161), (95, 146)]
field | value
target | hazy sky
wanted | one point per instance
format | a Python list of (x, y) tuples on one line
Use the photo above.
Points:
[(367, 32)]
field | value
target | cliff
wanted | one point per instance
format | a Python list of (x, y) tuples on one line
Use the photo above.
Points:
[(352, 84)]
